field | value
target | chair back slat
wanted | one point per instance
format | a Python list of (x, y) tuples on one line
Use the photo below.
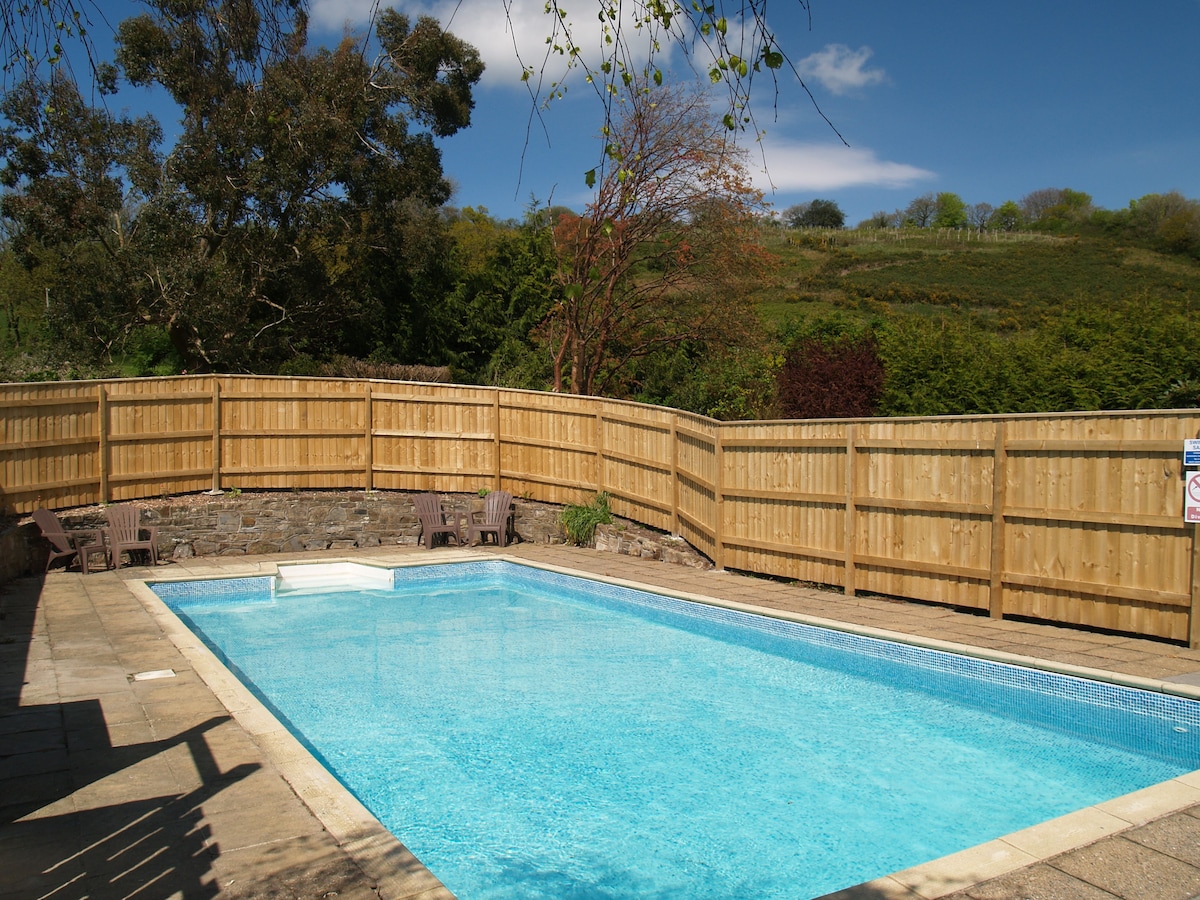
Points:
[(52, 529), (429, 508), (496, 507), (123, 522)]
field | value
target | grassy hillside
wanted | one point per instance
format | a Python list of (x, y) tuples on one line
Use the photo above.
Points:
[(1002, 281), (997, 323)]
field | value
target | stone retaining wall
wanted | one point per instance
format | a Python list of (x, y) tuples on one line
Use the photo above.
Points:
[(293, 522), (236, 524)]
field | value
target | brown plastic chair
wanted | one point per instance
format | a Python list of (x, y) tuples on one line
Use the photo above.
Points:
[(497, 509), (126, 535), (436, 521), (78, 543)]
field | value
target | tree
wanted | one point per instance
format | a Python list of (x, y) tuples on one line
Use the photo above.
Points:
[(879, 219), (979, 215), (665, 252), (1007, 217), (71, 176), (504, 287), (299, 196), (815, 214), (951, 211), (300, 204), (921, 210), (1036, 204), (1072, 208), (1168, 221)]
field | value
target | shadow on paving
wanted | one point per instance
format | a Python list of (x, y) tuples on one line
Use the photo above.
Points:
[(147, 847)]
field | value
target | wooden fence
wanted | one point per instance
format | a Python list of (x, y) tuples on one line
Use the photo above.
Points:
[(1073, 518)]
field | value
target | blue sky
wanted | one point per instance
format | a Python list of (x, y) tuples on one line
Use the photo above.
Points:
[(990, 101)]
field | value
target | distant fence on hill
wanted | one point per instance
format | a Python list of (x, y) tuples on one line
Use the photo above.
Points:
[(1070, 518)]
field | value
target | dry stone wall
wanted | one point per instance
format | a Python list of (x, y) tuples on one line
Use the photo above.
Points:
[(237, 524)]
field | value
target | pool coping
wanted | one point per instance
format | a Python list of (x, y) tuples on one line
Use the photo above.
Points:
[(374, 848)]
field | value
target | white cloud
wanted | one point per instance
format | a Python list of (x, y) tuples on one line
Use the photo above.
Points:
[(335, 15), (794, 167), (504, 39), (840, 69)]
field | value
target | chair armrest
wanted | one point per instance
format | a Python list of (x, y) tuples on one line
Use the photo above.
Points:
[(81, 536)]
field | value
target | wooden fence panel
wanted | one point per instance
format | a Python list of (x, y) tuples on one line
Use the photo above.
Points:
[(1073, 518), (698, 481), (923, 509), (637, 471), (1094, 521), (433, 438), (548, 446), (49, 445), (784, 490), (292, 433), (160, 427)]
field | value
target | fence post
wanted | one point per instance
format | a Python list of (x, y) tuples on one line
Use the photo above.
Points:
[(999, 496), (369, 451), (1194, 617), (216, 437), (102, 446), (499, 470), (719, 497), (851, 435), (600, 451), (674, 475)]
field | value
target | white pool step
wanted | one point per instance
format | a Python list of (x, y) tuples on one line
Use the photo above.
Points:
[(315, 576)]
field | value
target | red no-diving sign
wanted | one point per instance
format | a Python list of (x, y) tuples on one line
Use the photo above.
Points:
[(1191, 498)]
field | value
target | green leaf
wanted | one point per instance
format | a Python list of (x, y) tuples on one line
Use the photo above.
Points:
[(658, 78), (590, 178), (729, 121)]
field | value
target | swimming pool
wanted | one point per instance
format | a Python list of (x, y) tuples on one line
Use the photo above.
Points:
[(705, 735)]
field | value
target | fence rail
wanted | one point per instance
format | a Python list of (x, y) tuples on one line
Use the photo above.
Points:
[(1073, 518)]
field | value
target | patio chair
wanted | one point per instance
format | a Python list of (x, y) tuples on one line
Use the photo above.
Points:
[(436, 521), (126, 535), (497, 509), (78, 543)]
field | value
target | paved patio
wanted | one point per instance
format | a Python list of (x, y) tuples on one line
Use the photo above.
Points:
[(177, 784)]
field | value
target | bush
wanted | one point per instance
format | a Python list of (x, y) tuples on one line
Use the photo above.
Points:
[(823, 379), (579, 522)]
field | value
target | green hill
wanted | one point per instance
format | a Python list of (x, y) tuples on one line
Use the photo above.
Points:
[(994, 323), (1006, 280)]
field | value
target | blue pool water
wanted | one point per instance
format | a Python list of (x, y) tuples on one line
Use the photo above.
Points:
[(532, 735)]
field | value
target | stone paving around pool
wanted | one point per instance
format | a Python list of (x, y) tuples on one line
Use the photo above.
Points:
[(131, 765)]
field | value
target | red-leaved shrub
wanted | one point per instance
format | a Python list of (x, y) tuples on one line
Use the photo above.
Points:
[(841, 379)]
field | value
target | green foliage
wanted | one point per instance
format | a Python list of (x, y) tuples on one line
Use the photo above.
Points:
[(951, 211), (815, 214), (148, 351), (1003, 323), (579, 521), (504, 287), (298, 216), (1136, 355)]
